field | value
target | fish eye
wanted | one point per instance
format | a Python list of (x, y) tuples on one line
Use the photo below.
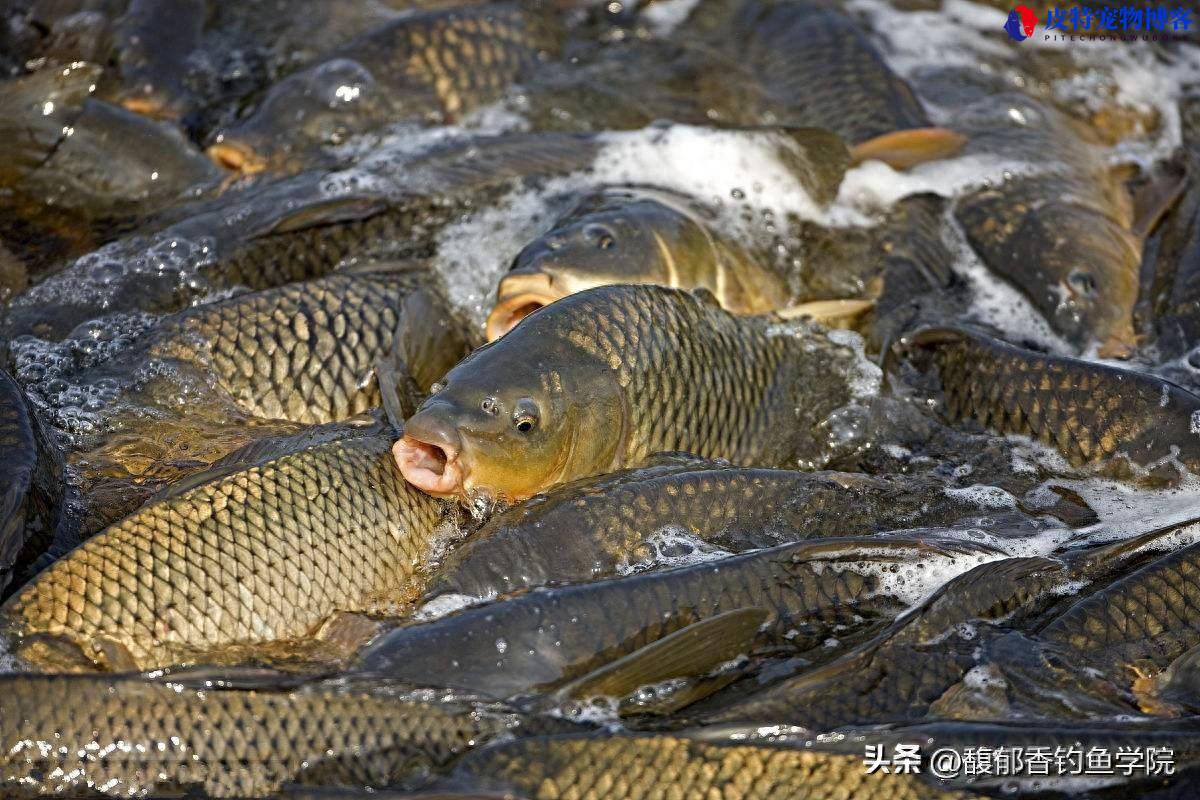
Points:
[(601, 235), (525, 416), (1082, 282)]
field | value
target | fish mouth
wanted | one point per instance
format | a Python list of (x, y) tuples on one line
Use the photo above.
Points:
[(237, 157), (518, 296), (433, 468)]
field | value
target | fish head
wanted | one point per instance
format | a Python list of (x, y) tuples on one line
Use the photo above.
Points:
[(1096, 263), (514, 418), (317, 107), (608, 239)]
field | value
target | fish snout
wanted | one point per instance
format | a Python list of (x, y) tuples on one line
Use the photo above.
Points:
[(521, 292), (428, 454)]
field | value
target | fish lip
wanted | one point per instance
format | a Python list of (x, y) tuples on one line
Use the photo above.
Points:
[(435, 469), (237, 157), (518, 296)]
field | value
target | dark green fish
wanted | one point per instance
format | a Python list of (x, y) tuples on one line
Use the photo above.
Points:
[(799, 593), (292, 230), (641, 767), (1092, 413), (154, 41), (129, 735), (605, 378), (31, 486), (1065, 234), (117, 166), (1146, 616), (1172, 253), (428, 67), (39, 110), (595, 527), (264, 546), (908, 668), (816, 65), (636, 236), (833, 275)]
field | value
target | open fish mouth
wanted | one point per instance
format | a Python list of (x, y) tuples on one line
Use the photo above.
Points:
[(432, 468), (237, 157), (519, 295)]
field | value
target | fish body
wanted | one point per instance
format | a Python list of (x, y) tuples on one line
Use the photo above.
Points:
[(546, 637), (634, 236), (633, 767), (153, 41), (1146, 615), (263, 547), (918, 664), (1062, 231), (29, 489), (117, 165), (292, 230), (816, 66), (39, 109), (427, 67), (607, 377), (132, 736), (1093, 414), (304, 352), (900, 673), (596, 527)]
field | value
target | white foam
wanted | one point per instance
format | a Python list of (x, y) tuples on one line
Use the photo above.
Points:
[(1127, 510), (446, 604), (719, 167), (874, 186), (865, 376), (671, 547), (473, 254), (601, 711), (983, 496), (666, 15), (912, 580)]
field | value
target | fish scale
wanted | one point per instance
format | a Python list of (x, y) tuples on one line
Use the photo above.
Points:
[(554, 636), (128, 736), (1090, 412), (302, 352), (692, 412), (633, 767), (821, 70), (594, 527), (265, 553), (1147, 614)]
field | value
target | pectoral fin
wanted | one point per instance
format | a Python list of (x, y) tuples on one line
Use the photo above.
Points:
[(694, 650), (907, 148), (830, 313), (1155, 199)]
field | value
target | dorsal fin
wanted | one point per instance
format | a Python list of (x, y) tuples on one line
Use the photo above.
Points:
[(275, 447)]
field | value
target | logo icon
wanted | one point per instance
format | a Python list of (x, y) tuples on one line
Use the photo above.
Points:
[(1020, 24)]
